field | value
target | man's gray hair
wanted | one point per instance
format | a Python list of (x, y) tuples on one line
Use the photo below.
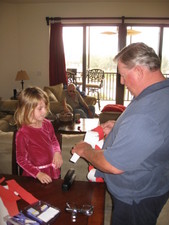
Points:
[(139, 54)]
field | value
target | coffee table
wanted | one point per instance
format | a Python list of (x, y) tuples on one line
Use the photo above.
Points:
[(85, 125), (76, 128)]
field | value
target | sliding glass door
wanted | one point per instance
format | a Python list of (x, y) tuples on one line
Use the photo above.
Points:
[(148, 35), (87, 47), (101, 47), (73, 47), (165, 53)]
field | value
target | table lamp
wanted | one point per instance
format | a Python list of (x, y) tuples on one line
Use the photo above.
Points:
[(22, 75)]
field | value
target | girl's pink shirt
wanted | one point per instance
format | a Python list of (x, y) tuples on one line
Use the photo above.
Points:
[(36, 147)]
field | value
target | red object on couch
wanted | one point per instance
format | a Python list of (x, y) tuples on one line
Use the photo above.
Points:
[(113, 108)]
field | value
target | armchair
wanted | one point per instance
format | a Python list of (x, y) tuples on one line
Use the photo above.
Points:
[(71, 75), (55, 94)]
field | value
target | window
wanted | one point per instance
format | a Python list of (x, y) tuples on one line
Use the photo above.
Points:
[(144, 34), (95, 45), (165, 53), (141, 34), (101, 47), (73, 46)]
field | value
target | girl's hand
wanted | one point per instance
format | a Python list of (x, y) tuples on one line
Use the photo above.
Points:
[(44, 178), (57, 160)]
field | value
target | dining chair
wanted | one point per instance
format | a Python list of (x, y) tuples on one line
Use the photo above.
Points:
[(94, 83), (16, 169)]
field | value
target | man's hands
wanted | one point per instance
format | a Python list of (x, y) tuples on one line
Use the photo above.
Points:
[(107, 126), (95, 157), (81, 148)]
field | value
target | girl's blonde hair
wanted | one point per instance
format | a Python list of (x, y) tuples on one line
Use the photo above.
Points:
[(28, 100)]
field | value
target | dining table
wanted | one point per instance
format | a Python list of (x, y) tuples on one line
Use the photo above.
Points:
[(81, 193)]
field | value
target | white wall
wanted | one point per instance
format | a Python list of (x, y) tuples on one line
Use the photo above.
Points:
[(24, 35), (8, 49)]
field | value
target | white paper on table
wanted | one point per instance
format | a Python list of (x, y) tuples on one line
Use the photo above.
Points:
[(48, 214)]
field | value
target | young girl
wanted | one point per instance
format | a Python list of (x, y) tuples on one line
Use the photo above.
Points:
[(37, 148)]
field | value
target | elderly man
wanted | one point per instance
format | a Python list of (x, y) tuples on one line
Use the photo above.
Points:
[(134, 161), (75, 100)]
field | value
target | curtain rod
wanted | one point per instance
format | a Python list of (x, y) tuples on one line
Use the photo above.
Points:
[(123, 18), (58, 19)]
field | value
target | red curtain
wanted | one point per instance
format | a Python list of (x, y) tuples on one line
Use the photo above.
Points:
[(57, 68)]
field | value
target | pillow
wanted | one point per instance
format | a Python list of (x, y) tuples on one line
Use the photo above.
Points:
[(51, 95), (57, 90), (113, 108), (8, 106)]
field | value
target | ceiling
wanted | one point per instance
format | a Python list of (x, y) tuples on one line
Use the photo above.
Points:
[(57, 1)]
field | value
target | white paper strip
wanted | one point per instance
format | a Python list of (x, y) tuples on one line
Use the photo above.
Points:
[(74, 157), (92, 138)]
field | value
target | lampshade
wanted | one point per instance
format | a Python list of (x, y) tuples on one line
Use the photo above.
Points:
[(22, 75)]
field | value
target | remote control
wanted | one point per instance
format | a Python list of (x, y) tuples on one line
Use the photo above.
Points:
[(68, 179)]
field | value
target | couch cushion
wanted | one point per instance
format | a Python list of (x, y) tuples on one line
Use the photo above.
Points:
[(4, 125), (8, 118), (51, 95), (6, 152), (56, 107), (2, 115), (113, 108), (90, 100), (7, 122), (8, 106), (57, 90)]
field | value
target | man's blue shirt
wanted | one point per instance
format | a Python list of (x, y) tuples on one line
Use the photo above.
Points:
[(139, 145)]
